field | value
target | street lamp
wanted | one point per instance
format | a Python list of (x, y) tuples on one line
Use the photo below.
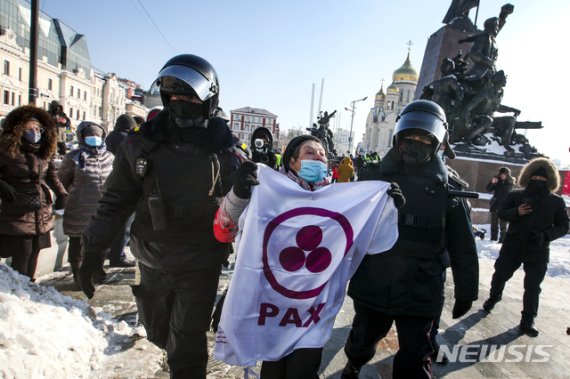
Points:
[(352, 121)]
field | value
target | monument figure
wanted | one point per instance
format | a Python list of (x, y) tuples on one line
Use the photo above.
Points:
[(323, 133)]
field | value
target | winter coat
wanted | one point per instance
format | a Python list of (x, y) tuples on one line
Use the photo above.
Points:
[(83, 172), (28, 168), (171, 178), (500, 191), (345, 170), (407, 280), (122, 127), (548, 216)]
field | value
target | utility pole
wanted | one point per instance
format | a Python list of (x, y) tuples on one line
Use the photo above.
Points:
[(352, 121), (33, 89)]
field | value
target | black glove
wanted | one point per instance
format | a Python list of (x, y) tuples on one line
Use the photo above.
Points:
[(538, 237), (91, 266), (60, 202), (396, 194), (7, 192), (245, 178), (461, 307)]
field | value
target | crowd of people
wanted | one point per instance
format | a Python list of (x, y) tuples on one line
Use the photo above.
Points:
[(180, 185)]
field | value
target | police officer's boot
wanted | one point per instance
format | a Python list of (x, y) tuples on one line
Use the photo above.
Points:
[(74, 271), (350, 371), (490, 303), (527, 327)]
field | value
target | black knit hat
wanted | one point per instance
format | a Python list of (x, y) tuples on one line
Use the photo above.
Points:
[(541, 171), (505, 170), (92, 129), (293, 145)]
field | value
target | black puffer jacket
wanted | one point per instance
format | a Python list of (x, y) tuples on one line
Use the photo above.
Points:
[(179, 168), (500, 191), (548, 216), (408, 279), (122, 127)]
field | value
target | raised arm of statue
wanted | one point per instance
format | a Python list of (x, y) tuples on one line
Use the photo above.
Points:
[(506, 10)]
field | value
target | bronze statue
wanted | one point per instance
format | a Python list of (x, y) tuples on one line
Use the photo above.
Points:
[(459, 8), (484, 51), (323, 133)]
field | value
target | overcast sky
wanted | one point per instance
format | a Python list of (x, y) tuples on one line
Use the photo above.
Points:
[(269, 53)]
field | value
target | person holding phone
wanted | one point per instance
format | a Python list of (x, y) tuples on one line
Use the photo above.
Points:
[(536, 216)]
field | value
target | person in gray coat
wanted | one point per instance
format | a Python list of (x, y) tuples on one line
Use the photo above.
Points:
[(83, 172)]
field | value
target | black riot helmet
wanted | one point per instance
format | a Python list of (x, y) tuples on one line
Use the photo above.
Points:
[(425, 115), (188, 74)]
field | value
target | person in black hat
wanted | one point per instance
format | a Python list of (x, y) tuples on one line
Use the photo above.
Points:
[(536, 216), (500, 185)]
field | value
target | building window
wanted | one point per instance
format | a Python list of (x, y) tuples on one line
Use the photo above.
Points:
[(6, 67), (50, 84), (85, 95), (79, 93), (83, 115), (6, 97), (20, 73), (13, 99), (19, 100), (70, 112), (77, 115), (71, 92)]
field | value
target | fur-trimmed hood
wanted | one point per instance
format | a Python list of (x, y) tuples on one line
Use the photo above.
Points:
[(553, 177), (13, 130)]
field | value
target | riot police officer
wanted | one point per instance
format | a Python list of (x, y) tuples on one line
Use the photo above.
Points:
[(171, 173), (404, 285)]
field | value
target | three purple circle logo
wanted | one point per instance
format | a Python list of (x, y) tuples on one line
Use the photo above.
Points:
[(302, 248)]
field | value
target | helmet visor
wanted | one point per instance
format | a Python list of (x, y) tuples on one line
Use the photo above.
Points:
[(423, 121), (204, 87)]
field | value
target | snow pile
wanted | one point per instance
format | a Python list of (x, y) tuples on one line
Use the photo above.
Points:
[(559, 265), (44, 334)]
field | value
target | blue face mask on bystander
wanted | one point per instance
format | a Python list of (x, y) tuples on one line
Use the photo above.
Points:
[(33, 136), (312, 171), (93, 141)]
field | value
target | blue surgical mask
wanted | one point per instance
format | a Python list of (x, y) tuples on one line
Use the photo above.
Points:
[(33, 136), (93, 141), (312, 171)]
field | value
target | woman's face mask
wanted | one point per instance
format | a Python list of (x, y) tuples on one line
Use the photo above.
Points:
[(312, 171), (93, 141), (33, 135)]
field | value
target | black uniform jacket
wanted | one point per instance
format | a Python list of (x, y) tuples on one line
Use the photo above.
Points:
[(171, 179), (408, 279)]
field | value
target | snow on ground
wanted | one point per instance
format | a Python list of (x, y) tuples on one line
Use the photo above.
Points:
[(44, 334), (555, 285)]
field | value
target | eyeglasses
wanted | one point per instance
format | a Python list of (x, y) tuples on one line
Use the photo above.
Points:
[(37, 129)]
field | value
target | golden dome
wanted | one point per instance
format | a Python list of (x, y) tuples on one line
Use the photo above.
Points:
[(392, 89), (406, 72), (380, 95)]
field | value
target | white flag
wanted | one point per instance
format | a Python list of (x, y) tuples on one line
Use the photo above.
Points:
[(296, 250)]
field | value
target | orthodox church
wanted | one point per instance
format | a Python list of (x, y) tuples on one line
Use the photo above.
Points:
[(382, 117)]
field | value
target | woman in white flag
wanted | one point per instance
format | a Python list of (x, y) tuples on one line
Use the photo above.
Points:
[(305, 163)]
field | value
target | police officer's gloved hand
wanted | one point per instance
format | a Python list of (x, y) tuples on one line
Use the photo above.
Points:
[(396, 194), (7, 192), (245, 178), (461, 307), (91, 268)]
